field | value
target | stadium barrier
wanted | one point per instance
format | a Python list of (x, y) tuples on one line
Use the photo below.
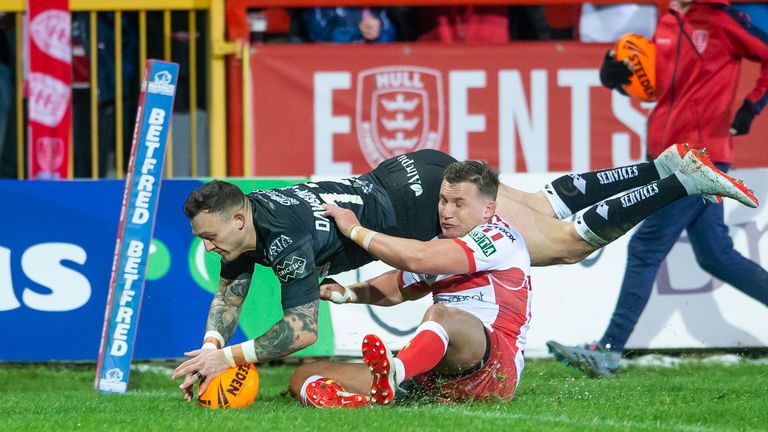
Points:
[(523, 107), (54, 280), (194, 12)]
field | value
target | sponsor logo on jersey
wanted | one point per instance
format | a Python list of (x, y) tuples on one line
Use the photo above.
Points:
[(616, 174), (341, 198), (365, 186), (293, 267), (399, 110), (262, 199), (635, 197), (278, 245), (321, 222), (483, 242), (499, 234), (277, 196), (417, 189), (411, 173), (455, 298)]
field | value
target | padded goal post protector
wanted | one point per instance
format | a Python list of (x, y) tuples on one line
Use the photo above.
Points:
[(137, 220)]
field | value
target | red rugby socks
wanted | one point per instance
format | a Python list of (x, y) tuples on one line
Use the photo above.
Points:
[(423, 352)]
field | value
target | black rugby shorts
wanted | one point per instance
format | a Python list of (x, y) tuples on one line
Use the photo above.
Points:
[(412, 182)]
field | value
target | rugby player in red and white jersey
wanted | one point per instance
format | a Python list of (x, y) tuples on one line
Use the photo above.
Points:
[(470, 343)]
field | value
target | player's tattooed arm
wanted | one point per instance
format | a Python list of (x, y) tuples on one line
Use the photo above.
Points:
[(227, 304), (297, 330)]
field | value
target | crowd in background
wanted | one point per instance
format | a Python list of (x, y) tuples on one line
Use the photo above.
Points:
[(464, 24), (450, 24)]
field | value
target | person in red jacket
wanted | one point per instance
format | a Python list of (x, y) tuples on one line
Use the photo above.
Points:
[(699, 48), (458, 24)]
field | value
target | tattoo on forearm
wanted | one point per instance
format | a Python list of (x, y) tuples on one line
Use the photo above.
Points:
[(290, 333), (227, 304)]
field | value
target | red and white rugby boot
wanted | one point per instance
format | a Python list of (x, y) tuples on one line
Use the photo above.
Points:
[(327, 393), (379, 360), (698, 174), (670, 160)]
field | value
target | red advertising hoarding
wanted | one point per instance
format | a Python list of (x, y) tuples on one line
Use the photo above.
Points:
[(524, 107)]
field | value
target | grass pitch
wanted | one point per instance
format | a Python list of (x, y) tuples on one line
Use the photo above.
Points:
[(693, 396)]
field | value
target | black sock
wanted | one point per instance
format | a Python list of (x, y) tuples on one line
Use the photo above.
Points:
[(573, 192), (609, 220)]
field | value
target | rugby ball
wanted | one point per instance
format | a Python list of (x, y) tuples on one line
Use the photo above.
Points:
[(641, 55), (236, 387)]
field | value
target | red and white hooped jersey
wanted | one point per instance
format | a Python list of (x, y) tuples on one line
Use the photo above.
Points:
[(497, 288)]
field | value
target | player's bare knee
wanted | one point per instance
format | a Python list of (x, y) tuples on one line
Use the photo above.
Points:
[(436, 313)]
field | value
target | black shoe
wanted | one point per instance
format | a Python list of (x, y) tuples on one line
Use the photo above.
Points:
[(592, 359)]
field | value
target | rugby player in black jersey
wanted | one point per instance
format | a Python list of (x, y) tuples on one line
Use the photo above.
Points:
[(287, 229)]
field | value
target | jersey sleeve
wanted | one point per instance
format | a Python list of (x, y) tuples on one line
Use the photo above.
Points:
[(495, 247)]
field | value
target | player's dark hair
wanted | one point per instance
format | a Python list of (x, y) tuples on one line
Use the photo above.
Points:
[(479, 173), (214, 197)]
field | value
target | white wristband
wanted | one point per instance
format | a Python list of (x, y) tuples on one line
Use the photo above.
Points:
[(249, 351), (229, 357), (368, 238), (241, 353), (353, 232), (209, 345), (211, 336)]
